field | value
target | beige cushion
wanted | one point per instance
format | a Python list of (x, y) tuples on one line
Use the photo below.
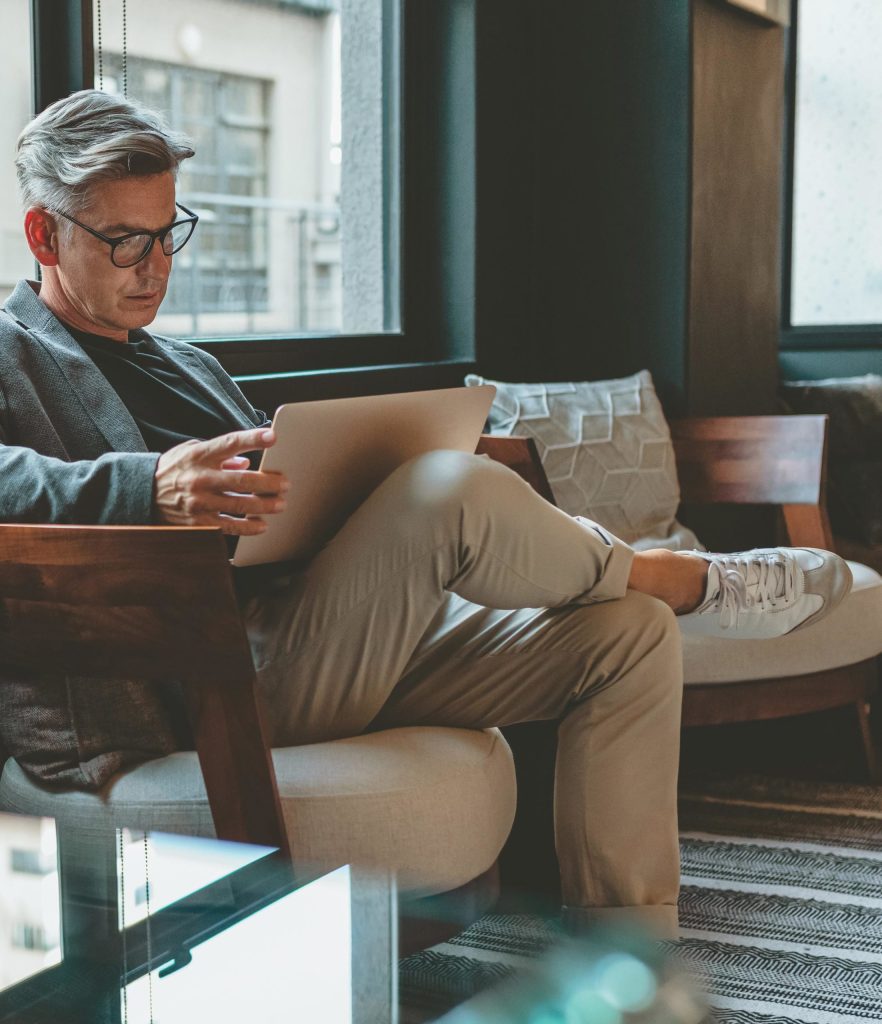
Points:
[(849, 634), (436, 805)]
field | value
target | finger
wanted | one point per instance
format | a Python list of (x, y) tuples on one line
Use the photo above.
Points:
[(236, 504), (236, 462), (239, 482), (241, 527), (218, 449)]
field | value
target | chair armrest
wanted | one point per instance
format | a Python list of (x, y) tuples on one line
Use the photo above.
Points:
[(519, 454), (148, 602), (754, 460)]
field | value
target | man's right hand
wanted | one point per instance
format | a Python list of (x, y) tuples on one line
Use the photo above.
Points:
[(204, 483)]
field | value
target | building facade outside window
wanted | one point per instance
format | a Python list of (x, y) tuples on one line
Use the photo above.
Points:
[(32, 861), (26, 935), (16, 73), (287, 105), (30, 913)]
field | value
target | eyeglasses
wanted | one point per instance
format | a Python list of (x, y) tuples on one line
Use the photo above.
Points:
[(127, 250)]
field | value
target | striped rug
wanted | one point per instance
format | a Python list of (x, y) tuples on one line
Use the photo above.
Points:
[(780, 910)]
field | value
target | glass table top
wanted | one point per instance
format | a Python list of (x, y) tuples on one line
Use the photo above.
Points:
[(131, 927), (121, 927)]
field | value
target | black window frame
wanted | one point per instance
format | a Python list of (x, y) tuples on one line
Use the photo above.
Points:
[(429, 124), (852, 337)]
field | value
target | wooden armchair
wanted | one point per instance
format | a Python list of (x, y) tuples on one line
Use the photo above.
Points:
[(781, 461), (158, 603), (145, 602), (775, 461)]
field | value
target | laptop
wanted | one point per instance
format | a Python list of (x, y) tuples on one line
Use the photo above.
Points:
[(335, 452)]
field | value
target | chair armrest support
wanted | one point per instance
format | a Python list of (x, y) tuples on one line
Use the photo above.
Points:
[(808, 526)]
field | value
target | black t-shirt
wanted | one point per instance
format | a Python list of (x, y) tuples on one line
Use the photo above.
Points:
[(165, 406)]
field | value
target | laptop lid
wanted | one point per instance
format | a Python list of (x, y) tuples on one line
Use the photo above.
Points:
[(335, 452)]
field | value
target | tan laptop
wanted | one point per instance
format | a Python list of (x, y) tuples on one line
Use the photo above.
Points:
[(336, 452)]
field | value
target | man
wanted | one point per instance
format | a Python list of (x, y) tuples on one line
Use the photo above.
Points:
[(453, 596)]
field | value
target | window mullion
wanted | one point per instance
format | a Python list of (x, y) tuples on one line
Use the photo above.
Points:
[(61, 35)]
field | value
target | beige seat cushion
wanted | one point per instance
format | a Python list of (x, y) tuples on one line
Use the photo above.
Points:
[(436, 805), (849, 634)]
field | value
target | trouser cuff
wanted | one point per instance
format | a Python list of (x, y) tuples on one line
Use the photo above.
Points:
[(656, 922), (613, 584)]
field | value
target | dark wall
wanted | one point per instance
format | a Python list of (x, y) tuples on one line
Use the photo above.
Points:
[(582, 188), (628, 196)]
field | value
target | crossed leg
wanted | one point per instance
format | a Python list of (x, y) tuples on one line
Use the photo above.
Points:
[(455, 595)]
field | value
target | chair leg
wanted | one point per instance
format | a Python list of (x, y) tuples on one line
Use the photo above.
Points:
[(862, 708)]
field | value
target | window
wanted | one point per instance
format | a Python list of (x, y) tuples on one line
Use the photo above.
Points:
[(15, 111), (297, 231), (32, 862), (225, 268), (302, 270), (836, 246), (32, 936)]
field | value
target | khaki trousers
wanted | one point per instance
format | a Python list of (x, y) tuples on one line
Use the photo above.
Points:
[(456, 596)]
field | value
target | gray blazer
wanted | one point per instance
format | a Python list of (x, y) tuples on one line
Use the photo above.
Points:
[(70, 452)]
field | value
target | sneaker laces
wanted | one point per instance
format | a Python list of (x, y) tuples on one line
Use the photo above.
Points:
[(754, 582)]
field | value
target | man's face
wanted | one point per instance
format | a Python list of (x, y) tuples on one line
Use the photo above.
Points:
[(95, 291)]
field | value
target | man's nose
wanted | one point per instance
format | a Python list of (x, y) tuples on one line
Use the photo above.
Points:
[(155, 263)]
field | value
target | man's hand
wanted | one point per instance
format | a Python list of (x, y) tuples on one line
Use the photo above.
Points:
[(205, 483)]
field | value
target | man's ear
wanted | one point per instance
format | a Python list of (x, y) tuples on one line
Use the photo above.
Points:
[(41, 232)]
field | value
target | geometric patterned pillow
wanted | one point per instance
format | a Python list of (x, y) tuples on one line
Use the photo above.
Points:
[(606, 450)]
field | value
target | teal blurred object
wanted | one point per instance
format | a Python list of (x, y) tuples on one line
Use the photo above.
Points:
[(605, 978)]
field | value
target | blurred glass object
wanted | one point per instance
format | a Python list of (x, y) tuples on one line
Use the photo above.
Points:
[(297, 952), (30, 915), (606, 978), (160, 927)]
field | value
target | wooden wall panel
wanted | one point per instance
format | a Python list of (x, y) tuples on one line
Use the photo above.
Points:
[(737, 153)]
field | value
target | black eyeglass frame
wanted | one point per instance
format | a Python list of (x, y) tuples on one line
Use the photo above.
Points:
[(192, 219)]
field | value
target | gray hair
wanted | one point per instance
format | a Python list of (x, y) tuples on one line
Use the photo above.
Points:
[(90, 137)]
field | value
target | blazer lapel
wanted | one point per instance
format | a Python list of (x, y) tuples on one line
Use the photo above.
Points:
[(192, 370), (88, 385)]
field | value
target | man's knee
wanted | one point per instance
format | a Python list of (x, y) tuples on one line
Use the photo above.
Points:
[(643, 640), (658, 619), (658, 632), (445, 482)]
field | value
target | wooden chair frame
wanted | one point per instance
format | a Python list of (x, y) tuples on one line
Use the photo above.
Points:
[(770, 460), (148, 602), (751, 460)]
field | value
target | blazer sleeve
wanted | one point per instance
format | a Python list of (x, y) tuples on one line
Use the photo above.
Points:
[(114, 489)]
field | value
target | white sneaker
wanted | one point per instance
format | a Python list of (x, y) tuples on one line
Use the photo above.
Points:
[(767, 592)]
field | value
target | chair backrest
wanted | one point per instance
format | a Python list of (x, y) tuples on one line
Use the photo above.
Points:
[(758, 460), (740, 460), (147, 602)]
